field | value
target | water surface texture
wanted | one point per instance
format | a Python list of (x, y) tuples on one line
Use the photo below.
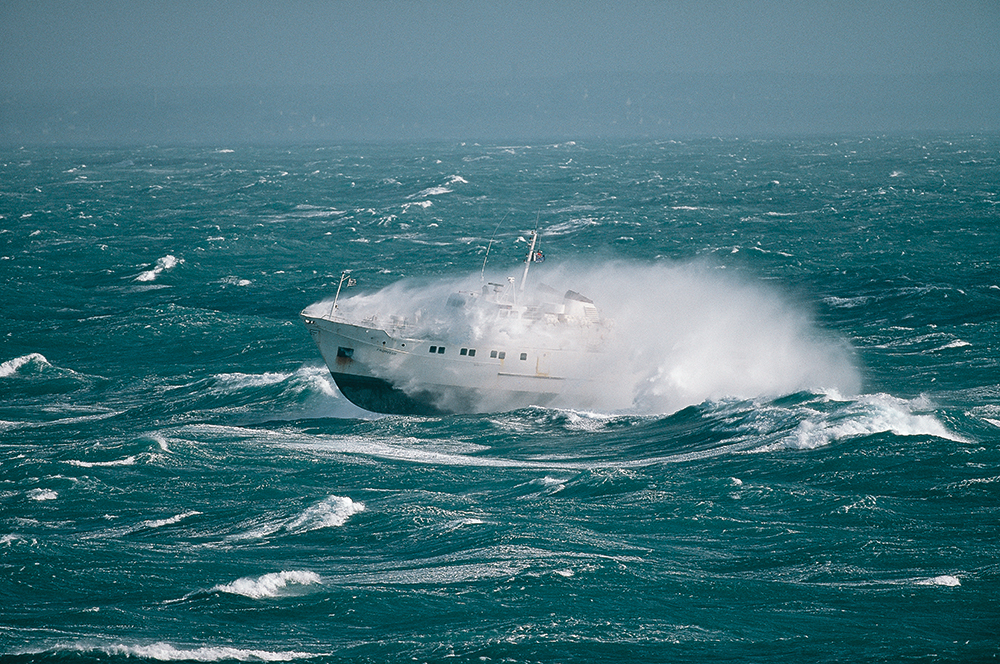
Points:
[(804, 466)]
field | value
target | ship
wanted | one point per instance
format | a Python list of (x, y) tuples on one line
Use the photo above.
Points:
[(494, 349)]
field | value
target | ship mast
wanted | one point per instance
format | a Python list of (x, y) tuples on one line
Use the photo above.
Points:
[(530, 257), (344, 276)]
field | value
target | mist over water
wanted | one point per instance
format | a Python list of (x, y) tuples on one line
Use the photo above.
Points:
[(674, 335)]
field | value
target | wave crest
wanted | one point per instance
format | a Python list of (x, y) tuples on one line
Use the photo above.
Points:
[(10, 367), (332, 511), (869, 414), (270, 585), (166, 652)]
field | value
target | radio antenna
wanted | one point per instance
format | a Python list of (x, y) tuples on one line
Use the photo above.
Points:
[(482, 276)]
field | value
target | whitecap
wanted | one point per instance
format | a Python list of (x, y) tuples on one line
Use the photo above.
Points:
[(168, 262), (166, 652), (127, 461), (6, 425), (430, 191), (42, 494), (159, 523), (332, 511), (846, 302), (943, 580), (10, 367), (868, 415), (573, 225), (270, 585), (957, 343), (239, 381)]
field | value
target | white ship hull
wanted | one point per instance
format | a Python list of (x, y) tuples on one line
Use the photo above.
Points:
[(386, 371), (491, 350)]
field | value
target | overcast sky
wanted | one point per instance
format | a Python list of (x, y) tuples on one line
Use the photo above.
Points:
[(70, 43)]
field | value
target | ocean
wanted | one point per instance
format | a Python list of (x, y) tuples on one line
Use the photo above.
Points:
[(802, 463)]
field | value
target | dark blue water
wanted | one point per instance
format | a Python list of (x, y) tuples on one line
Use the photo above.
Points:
[(809, 471)]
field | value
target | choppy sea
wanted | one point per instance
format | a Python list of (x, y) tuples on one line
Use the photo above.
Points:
[(809, 470)]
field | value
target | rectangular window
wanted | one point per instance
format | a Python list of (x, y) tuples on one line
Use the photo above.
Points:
[(524, 356), (345, 352), (502, 355), (472, 352), (434, 349), (440, 350), (493, 353), (464, 351)]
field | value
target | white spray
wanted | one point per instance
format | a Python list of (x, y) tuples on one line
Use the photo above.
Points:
[(681, 334)]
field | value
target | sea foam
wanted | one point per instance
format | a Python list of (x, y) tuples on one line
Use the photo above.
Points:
[(868, 415), (10, 367), (166, 263), (332, 511), (270, 585), (943, 580), (166, 652)]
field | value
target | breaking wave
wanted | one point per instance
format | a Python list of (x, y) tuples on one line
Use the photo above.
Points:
[(11, 367), (168, 262), (270, 585), (867, 415), (166, 652)]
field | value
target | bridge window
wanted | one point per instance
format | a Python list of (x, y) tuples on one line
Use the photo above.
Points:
[(524, 356), (440, 350), (472, 352), (493, 354), (502, 355), (433, 349)]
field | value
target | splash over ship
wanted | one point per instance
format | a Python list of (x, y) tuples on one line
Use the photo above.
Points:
[(493, 349)]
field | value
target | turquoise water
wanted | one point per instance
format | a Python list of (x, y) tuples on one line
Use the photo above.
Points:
[(808, 469)]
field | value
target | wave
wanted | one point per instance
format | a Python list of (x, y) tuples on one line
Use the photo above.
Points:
[(865, 416), (166, 652), (946, 580), (270, 585), (239, 381), (127, 461), (571, 226), (31, 360), (332, 511), (168, 262), (430, 191), (159, 523), (307, 392)]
